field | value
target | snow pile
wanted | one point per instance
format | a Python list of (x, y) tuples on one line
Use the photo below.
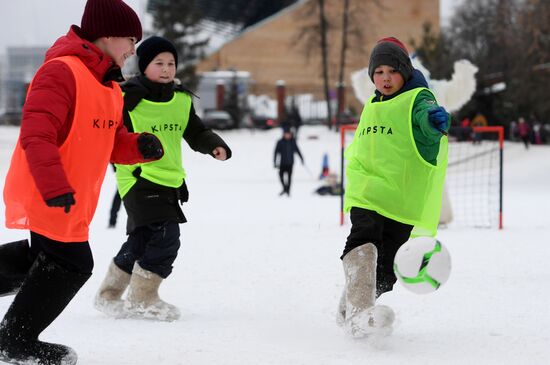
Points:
[(258, 277)]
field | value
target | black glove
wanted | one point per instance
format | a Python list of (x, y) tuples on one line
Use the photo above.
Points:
[(183, 193), (64, 201), (439, 118), (150, 146)]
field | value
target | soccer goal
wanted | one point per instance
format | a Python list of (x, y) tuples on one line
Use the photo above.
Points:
[(473, 186)]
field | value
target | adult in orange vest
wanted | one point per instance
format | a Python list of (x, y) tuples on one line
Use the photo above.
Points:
[(71, 128)]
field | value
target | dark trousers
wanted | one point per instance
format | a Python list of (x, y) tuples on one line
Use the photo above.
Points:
[(73, 256), (115, 207), (286, 170), (525, 140), (386, 234), (154, 246)]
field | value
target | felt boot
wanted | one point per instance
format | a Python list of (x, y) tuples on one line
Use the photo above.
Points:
[(362, 317), (108, 298), (143, 299)]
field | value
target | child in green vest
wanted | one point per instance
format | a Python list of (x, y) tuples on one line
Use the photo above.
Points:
[(151, 192), (395, 171)]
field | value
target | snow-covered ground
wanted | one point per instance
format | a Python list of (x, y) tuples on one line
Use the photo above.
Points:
[(258, 277)]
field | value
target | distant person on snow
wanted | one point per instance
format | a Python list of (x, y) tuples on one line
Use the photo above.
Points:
[(394, 182), (115, 207), (71, 128), (151, 192), (283, 158), (524, 131), (294, 119)]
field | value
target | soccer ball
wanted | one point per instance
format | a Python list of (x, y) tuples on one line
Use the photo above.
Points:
[(422, 265)]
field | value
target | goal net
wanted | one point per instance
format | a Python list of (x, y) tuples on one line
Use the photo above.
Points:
[(473, 186)]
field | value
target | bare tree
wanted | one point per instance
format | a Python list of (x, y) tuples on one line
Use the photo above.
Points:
[(314, 33), (343, 51), (344, 48), (324, 58), (509, 41), (178, 20), (435, 52), (529, 78)]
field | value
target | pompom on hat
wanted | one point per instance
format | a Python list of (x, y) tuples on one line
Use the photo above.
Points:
[(391, 52), (109, 18), (150, 48)]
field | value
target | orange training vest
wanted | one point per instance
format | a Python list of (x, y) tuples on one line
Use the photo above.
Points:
[(85, 156)]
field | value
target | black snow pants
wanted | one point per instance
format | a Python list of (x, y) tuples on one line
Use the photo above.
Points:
[(155, 247), (285, 170), (386, 234)]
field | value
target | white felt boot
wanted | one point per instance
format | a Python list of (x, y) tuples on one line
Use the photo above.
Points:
[(108, 298), (143, 299), (362, 317)]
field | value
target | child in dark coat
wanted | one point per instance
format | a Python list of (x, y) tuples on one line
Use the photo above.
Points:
[(151, 192)]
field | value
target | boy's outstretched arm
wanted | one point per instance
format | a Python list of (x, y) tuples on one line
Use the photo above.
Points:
[(434, 126), (297, 150), (202, 139)]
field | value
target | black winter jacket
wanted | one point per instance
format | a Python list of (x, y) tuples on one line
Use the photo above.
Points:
[(286, 149), (148, 202)]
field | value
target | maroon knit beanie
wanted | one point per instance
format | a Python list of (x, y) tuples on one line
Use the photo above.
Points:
[(390, 51), (109, 18)]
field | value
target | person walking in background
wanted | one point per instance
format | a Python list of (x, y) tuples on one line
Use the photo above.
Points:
[(394, 181), (513, 131), (294, 118), (71, 128), (283, 158), (151, 192), (537, 135), (115, 207), (524, 131), (466, 130)]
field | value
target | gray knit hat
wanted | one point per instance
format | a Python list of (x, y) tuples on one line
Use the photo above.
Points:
[(390, 51)]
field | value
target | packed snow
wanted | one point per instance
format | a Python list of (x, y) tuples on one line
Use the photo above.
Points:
[(258, 277)]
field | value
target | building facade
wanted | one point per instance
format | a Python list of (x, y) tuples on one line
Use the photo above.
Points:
[(273, 50), (20, 66)]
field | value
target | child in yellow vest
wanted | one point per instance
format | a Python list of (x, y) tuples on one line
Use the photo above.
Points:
[(154, 103), (395, 171)]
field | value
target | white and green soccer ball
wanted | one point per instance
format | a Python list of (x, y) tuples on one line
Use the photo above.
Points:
[(422, 264)]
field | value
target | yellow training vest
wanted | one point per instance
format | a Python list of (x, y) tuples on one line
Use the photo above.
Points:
[(385, 171), (168, 121)]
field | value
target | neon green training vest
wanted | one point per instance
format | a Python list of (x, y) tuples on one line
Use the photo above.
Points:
[(167, 121), (385, 171)]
